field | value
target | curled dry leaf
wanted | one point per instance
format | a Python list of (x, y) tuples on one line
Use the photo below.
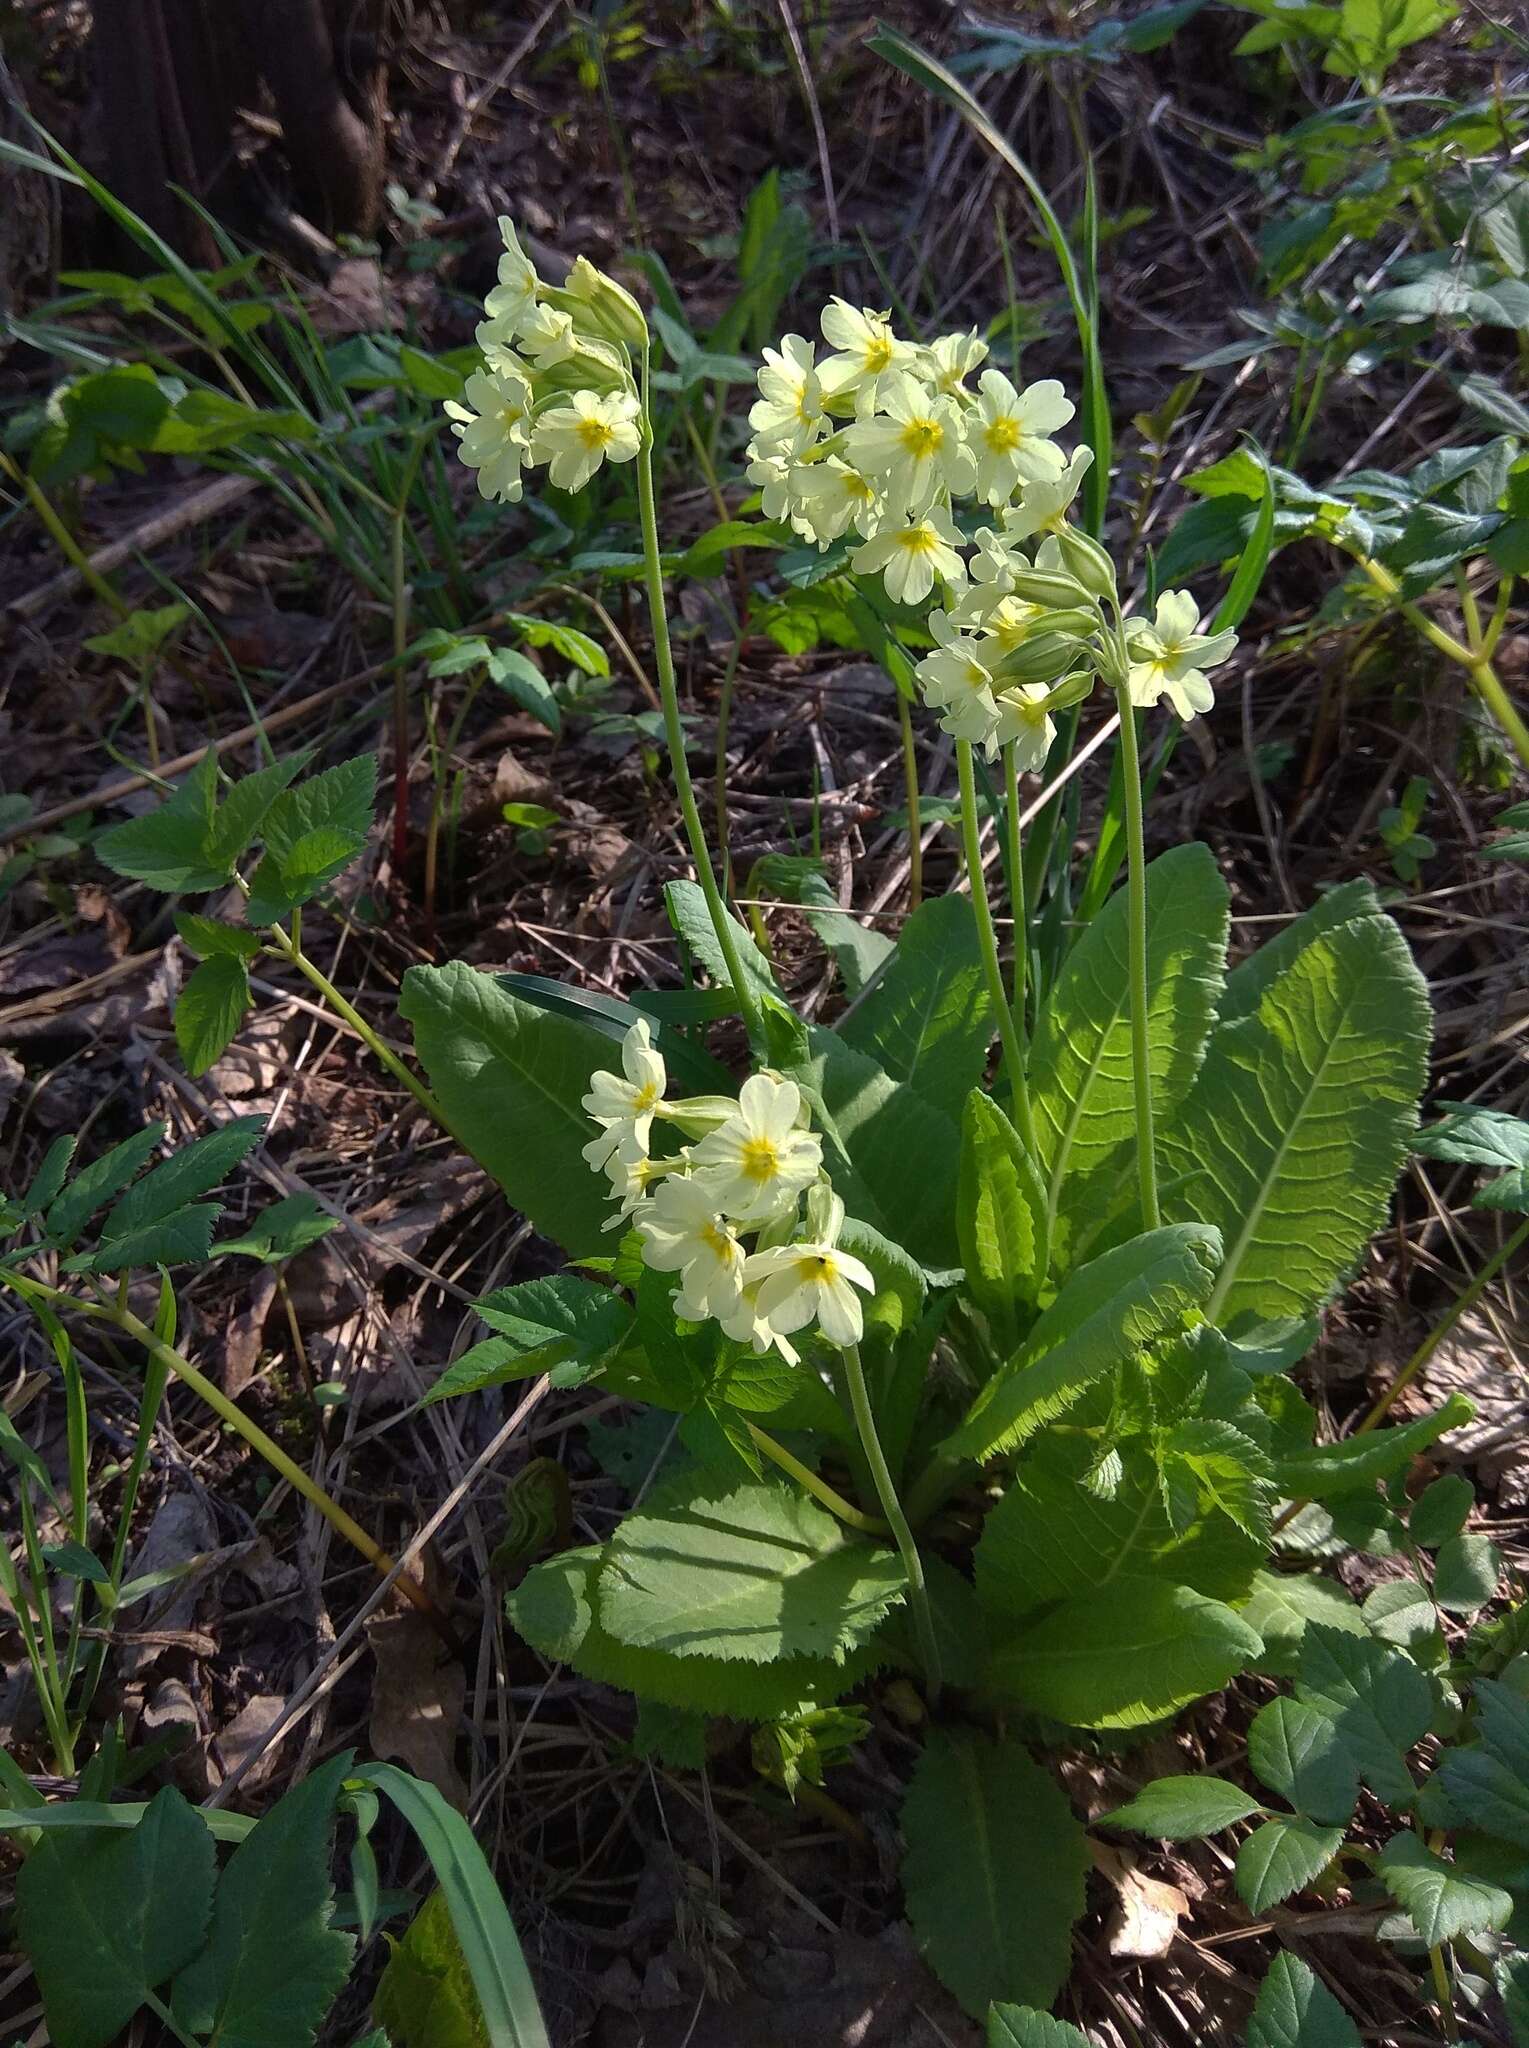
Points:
[(419, 1693), (1146, 1912)]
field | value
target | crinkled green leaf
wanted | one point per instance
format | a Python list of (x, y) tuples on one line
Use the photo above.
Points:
[(208, 936), (1357, 1463), (1000, 1219), (1377, 1699), (1249, 980), (1293, 1136), (1281, 1605), (1082, 1084), (1127, 1655), (757, 1573), (993, 1872)]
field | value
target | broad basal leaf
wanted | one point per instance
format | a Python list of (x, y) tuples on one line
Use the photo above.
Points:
[(756, 1574), (1106, 1311), (1281, 1857), (1357, 1463), (512, 1079), (1081, 1073), (1130, 1654), (1052, 1536), (273, 1964), (107, 1915), (1184, 1809), (553, 1609), (686, 905), (929, 1019), (993, 1875), (1441, 1900), (540, 1325), (892, 1155), (1295, 2010), (1251, 978), (1000, 1219), (1292, 1139)]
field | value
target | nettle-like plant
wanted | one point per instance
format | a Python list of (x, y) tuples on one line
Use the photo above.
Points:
[(977, 1308)]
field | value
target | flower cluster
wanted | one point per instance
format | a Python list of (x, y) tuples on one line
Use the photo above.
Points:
[(556, 385), (742, 1172), (881, 439)]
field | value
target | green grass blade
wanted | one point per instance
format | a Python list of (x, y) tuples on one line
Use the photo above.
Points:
[(484, 1929)]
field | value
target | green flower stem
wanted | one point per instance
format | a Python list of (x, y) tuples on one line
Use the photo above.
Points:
[(1136, 913), (1016, 888), (1013, 1050), (881, 1473), (168, 1357), (291, 950), (808, 1480), (663, 659), (915, 823), (1475, 659)]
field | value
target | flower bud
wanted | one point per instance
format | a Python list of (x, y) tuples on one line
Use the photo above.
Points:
[(609, 310), (1084, 558), (1054, 588), (1040, 658), (584, 365), (1112, 660)]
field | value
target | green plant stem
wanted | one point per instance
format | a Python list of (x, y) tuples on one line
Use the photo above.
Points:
[(808, 1480), (719, 784), (292, 951), (1440, 1972), (1136, 915), (987, 941), (1475, 659), (902, 1535), (168, 1357), (911, 789), (1016, 888), (663, 659), (64, 540)]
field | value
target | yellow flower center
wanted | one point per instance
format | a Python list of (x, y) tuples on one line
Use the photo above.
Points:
[(759, 1160), (817, 1266), (923, 439), (918, 540), (977, 677), (717, 1241), (856, 487), (878, 353), (645, 1097), (1002, 434), (511, 414), (595, 434)]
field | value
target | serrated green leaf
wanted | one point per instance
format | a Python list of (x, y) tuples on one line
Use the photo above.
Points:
[(1298, 1751), (1441, 1900), (1232, 1472), (1021, 2026), (1114, 1306), (169, 847), (273, 1965), (245, 809), (1128, 1655), (987, 1827), (928, 1021), (756, 1573), (184, 1239), (539, 1324), (1377, 1699), (208, 936), (192, 1170), (1282, 1857), (280, 1231), (552, 1608), (1000, 1219), (1295, 2010), (1358, 1463), (50, 1176), (1281, 1605), (94, 1186), (311, 834), (1400, 1612), (1184, 1809), (1082, 1083), (1293, 1136), (512, 1079), (106, 1916)]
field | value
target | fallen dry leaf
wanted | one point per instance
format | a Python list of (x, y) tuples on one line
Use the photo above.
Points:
[(419, 1694), (1146, 1912)]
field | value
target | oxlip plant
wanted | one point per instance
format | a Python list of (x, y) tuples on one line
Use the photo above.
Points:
[(975, 1310)]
